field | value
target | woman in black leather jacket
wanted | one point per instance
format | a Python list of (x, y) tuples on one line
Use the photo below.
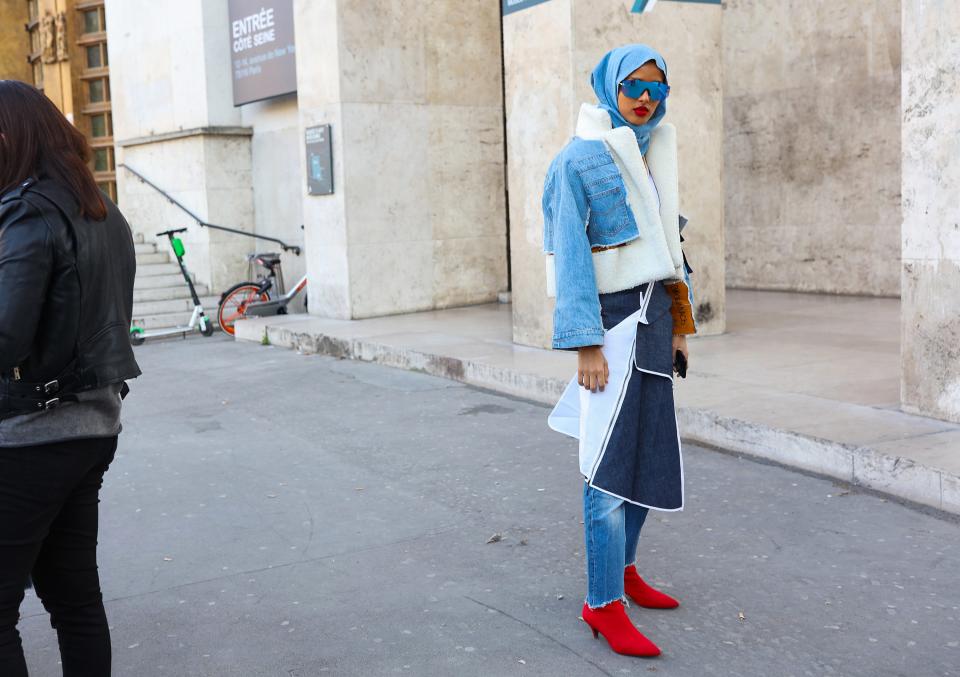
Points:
[(66, 295)]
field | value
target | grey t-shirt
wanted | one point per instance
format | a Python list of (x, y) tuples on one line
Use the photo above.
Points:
[(96, 413)]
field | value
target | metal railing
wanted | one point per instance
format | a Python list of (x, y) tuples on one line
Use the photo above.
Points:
[(286, 247)]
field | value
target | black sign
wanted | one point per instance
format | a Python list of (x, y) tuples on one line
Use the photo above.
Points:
[(263, 53), (510, 6), (319, 161)]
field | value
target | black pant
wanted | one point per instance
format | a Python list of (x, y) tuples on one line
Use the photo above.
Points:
[(49, 496)]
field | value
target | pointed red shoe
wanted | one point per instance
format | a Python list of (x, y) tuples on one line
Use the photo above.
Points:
[(643, 594), (612, 622)]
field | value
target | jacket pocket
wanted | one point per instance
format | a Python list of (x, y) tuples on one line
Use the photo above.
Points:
[(609, 213)]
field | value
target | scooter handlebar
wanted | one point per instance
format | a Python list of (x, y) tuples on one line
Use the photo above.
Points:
[(172, 232)]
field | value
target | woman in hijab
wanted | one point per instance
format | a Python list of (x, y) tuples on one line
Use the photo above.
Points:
[(612, 239)]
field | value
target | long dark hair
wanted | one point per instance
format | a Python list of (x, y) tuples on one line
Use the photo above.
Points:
[(36, 139)]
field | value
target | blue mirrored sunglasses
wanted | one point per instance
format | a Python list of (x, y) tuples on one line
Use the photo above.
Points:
[(634, 89)]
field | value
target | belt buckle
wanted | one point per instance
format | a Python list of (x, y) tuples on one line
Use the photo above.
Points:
[(51, 404), (51, 387)]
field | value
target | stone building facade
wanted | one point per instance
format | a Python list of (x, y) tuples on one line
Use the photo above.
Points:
[(809, 160), (60, 46)]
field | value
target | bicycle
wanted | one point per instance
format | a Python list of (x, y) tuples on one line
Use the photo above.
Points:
[(264, 297), (198, 320)]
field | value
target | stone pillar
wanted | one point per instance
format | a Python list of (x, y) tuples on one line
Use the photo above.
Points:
[(813, 182), (930, 383), (174, 122), (413, 94), (550, 50)]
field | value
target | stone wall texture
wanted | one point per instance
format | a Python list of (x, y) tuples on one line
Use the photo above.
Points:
[(414, 93), (812, 145), (930, 345), (550, 50), (275, 157), (170, 77)]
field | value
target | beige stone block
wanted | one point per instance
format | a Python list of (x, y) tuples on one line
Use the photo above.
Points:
[(812, 183), (465, 174), (898, 476), (462, 53), (318, 55), (383, 51), (931, 334), (325, 223), (390, 277), (950, 493), (938, 450), (468, 270), (386, 172), (537, 53)]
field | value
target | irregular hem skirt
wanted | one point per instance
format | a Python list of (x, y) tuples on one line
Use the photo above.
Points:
[(641, 462)]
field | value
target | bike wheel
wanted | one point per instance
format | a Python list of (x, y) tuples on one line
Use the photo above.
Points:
[(233, 303)]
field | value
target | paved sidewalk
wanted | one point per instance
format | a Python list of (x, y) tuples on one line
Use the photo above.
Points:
[(810, 381), (279, 515)]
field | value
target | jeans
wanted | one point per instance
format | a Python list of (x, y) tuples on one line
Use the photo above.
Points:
[(612, 529), (49, 496)]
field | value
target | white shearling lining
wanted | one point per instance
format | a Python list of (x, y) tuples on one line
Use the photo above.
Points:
[(656, 254)]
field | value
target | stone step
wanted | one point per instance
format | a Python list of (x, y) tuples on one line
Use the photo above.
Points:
[(177, 305), (156, 281), (167, 320), (154, 269), (153, 257), (144, 247), (178, 291)]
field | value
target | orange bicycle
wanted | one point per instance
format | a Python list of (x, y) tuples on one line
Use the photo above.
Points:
[(265, 296)]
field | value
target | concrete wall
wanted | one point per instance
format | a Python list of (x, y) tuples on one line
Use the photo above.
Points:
[(413, 92), (550, 50), (931, 209), (812, 151), (172, 66), (174, 122), (277, 185)]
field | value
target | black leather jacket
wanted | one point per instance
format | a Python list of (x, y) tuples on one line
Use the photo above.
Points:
[(66, 293)]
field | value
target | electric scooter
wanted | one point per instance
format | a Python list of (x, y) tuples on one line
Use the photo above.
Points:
[(197, 321)]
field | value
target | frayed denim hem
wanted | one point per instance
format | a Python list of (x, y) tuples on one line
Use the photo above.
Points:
[(623, 600)]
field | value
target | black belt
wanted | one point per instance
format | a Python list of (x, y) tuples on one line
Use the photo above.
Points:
[(23, 397)]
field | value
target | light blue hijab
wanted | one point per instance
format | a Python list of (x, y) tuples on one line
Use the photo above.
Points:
[(613, 69)]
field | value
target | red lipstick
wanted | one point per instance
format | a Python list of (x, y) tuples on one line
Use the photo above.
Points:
[(641, 111)]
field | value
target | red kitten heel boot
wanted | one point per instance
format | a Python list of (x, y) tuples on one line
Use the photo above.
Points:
[(612, 622), (641, 593)]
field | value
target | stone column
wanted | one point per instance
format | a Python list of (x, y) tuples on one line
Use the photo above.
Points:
[(550, 50), (174, 122), (413, 94), (930, 383), (813, 182)]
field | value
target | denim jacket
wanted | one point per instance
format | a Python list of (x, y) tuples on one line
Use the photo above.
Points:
[(607, 227)]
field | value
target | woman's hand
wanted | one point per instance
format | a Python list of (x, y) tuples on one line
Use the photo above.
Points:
[(680, 343), (592, 369)]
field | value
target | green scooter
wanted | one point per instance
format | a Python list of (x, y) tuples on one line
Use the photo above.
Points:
[(138, 335)]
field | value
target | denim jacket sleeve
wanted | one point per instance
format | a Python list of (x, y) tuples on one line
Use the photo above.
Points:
[(576, 317)]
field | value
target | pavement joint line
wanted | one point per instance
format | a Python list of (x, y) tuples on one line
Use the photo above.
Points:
[(818, 455), (539, 632), (272, 567)]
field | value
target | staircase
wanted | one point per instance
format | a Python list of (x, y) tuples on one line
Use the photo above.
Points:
[(161, 298)]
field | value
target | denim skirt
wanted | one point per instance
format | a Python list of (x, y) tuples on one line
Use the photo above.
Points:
[(642, 462)]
